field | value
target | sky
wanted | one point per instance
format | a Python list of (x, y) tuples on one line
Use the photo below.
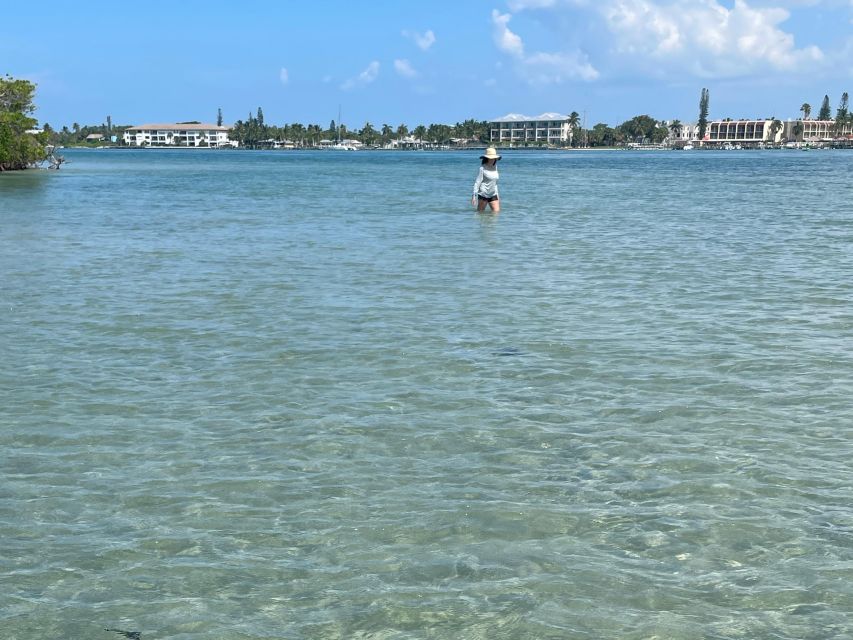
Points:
[(435, 61)]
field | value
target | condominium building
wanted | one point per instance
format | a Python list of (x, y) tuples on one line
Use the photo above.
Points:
[(760, 131), (741, 132), (548, 128), (817, 130), (178, 135)]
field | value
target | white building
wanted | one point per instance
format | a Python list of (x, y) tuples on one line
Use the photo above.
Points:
[(817, 130), (547, 128), (720, 132), (406, 142), (683, 133), (178, 135), (759, 131)]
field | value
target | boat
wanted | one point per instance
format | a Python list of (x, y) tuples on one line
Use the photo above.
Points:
[(687, 147), (341, 145)]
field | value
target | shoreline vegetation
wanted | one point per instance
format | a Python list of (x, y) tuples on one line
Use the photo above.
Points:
[(19, 147), (24, 146), (480, 147), (640, 133)]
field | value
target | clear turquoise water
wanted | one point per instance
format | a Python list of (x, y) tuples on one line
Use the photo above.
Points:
[(313, 395)]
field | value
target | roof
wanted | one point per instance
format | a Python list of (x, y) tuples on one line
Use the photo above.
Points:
[(94, 136), (173, 126), (518, 117)]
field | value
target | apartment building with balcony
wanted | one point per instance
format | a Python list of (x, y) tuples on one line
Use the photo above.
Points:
[(178, 135), (744, 132), (547, 128)]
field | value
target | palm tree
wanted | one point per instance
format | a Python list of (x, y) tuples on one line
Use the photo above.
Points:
[(298, 131), (675, 128), (574, 122), (807, 110), (775, 127), (433, 133), (797, 130), (368, 133), (387, 132), (420, 132), (402, 131)]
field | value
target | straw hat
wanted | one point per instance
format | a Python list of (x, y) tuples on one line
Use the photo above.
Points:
[(491, 154)]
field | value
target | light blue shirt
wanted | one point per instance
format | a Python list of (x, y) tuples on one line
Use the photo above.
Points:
[(486, 184)]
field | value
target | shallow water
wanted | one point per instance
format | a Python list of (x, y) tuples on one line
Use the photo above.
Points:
[(312, 395)]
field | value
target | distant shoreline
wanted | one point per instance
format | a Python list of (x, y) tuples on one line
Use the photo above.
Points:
[(454, 150)]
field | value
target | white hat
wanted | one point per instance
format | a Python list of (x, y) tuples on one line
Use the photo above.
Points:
[(491, 154)]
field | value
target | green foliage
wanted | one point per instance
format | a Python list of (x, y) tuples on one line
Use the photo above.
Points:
[(675, 128), (574, 128), (471, 130), (825, 112), (601, 135), (16, 96), (253, 133), (842, 116), (249, 133), (368, 134), (76, 136), (18, 149), (775, 127), (643, 129), (704, 101)]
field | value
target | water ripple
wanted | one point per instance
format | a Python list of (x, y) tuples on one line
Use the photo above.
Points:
[(292, 408)]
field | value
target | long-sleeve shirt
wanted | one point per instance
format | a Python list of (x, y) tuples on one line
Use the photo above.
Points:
[(486, 184)]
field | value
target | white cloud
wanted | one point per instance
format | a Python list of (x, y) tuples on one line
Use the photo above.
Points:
[(284, 76), (364, 78), (705, 36), (554, 68), (699, 38), (506, 40), (424, 41), (404, 68), (540, 67)]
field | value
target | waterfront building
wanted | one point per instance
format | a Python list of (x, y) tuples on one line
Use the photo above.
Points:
[(685, 133), (748, 132), (514, 128), (406, 142), (178, 135), (755, 132), (816, 130)]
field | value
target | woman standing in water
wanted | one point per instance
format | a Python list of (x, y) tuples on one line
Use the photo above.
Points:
[(486, 184)]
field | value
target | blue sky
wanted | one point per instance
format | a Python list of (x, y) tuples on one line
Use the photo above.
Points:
[(394, 62)]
